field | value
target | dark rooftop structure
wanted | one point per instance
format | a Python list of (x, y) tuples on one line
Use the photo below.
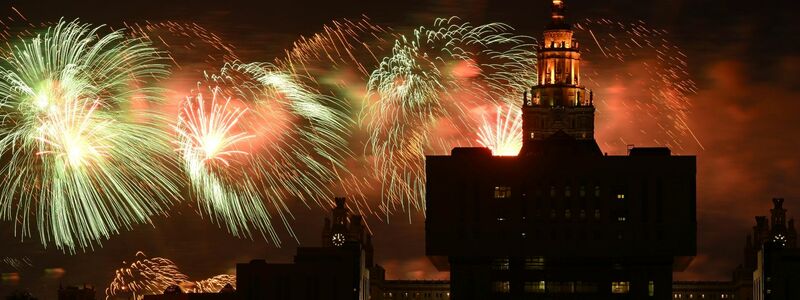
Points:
[(561, 220)]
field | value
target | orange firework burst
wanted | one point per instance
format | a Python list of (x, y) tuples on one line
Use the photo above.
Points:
[(504, 135)]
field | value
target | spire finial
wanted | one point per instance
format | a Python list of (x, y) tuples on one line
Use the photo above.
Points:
[(558, 11), (557, 16)]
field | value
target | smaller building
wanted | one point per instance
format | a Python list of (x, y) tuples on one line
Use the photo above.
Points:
[(76, 293), (778, 274), (317, 273), (415, 289), (175, 292), (711, 290)]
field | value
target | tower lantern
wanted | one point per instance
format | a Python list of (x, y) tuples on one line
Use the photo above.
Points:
[(559, 104)]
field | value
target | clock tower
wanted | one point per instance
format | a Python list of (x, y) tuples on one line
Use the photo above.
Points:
[(558, 110), (343, 227)]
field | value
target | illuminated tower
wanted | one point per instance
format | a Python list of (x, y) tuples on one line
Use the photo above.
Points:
[(561, 220), (558, 106)]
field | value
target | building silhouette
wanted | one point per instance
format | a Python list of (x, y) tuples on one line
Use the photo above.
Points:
[(777, 273), (337, 270), (76, 293), (770, 251), (560, 220), (174, 292)]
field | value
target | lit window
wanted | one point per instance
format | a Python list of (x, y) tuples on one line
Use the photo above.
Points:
[(500, 264), (502, 286), (620, 196), (597, 214), (651, 288), (583, 214), (534, 263), (620, 287), (567, 214), (535, 287), (502, 192), (621, 219)]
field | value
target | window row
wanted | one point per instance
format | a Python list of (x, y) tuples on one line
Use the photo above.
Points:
[(568, 287)]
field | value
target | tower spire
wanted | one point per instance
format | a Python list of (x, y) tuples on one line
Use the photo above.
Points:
[(557, 20), (559, 106)]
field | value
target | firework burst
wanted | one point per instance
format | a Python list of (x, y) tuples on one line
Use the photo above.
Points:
[(279, 141), (422, 97), (504, 135), (644, 74), (151, 276), (80, 155)]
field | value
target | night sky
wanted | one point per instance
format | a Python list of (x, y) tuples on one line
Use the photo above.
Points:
[(742, 56)]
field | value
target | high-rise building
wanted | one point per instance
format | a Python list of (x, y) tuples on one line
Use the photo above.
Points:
[(560, 220)]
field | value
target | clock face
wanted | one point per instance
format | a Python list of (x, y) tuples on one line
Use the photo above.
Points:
[(780, 240), (338, 239)]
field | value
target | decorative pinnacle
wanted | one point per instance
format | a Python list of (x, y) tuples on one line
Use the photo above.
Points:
[(557, 16)]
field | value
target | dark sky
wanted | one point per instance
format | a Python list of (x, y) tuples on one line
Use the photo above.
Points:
[(742, 55)]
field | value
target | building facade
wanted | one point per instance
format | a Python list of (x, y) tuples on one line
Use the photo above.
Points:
[(339, 269), (560, 220), (414, 290), (777, 267), (703, 290), (76, 293)]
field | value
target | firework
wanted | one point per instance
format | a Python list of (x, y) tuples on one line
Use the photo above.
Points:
[(657, 84), (280, 141), (504, 135), (208, 136), (422, 97), (17, 264), (149, 276), (81, 155)]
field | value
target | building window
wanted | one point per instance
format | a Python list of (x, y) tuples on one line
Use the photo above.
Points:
[(567, 213), (567, 192), (621, 219), (597, 214), (651, 288), (582, 191), (500, 264), (534, 263), (597, 191), (502, 286), (560, 287), (585, 287), (620, 287), (535, 287), (621, 196), (502, 192), (583, 214)]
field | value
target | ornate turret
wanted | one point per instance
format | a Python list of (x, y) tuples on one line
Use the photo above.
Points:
[(345, 227), (559, 114), (780, 234)]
